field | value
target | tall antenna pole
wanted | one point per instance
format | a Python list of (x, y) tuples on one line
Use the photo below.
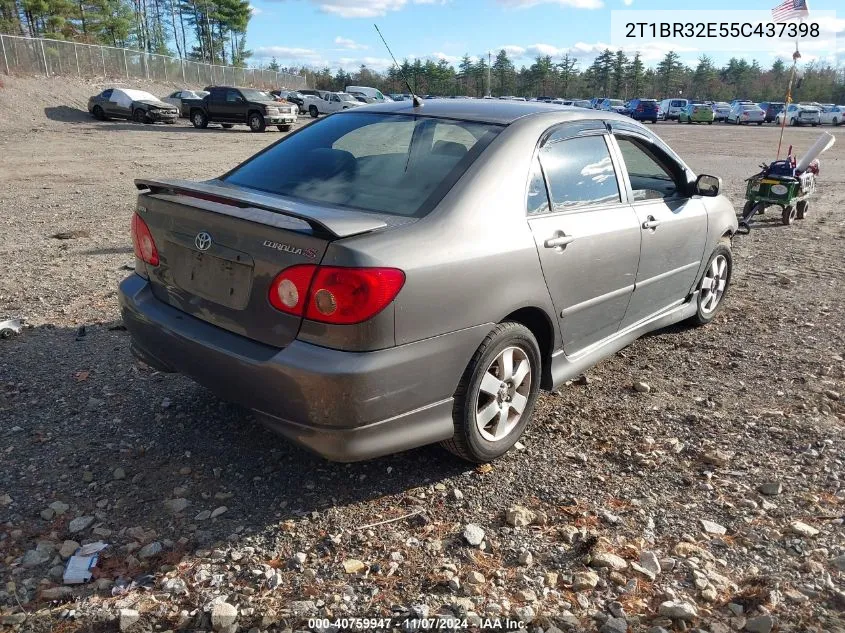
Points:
[(418, 103)]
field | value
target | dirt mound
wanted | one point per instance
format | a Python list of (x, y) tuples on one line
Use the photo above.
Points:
[(39, 102)]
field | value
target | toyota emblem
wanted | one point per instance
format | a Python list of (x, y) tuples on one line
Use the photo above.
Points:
[(203, 241)]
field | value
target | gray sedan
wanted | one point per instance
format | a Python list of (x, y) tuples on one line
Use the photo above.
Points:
[(179, 98), (125, 103), (394, 276)]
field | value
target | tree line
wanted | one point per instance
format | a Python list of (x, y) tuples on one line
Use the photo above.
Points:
[(213, 31), (611, 74)]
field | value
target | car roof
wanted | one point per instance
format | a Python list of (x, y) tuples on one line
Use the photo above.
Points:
[(487, 111)]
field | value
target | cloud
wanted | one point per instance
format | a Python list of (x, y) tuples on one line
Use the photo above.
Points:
[(585, 52), (352, 45), (452, 59), (367, 8), (285, 53), (374, 63), (627, 3), (575, 4)]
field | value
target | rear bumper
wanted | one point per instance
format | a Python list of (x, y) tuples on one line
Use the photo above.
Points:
[(345, 406)]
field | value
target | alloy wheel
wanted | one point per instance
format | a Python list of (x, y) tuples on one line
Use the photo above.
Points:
[(713, 284), (503, 394)]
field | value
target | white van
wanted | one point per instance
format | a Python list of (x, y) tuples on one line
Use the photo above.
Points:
[(371, 94), (670, 108)]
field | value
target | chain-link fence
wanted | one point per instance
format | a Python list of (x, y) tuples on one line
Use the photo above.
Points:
[(31, 56)]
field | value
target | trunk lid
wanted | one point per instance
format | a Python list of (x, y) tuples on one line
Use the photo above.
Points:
[(220, 247)]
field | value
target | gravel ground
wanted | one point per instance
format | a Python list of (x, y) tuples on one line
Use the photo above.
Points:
[(713, 500)]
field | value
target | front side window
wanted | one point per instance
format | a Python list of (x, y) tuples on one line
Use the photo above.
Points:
[(650, 174), (107, 93), (579, 172), (395, 164), (233, 96)]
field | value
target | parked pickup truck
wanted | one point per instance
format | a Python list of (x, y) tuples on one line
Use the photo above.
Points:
[(329, 102), (240, 106)]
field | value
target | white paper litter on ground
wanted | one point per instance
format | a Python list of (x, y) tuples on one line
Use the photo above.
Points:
[(79, 565)]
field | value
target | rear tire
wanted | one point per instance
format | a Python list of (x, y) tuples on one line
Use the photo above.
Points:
[(491, 391), (284, 128), (789, 214), (313, 111), (802, 209), (714, 285), (256, 122), (199, 119), (759, 123)]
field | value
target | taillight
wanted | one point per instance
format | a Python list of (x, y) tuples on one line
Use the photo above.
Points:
[(640, 108), (142, 240), (289, 289), (333, 294)]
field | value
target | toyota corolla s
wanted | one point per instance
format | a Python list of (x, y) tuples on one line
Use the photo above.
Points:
[(394, 276)]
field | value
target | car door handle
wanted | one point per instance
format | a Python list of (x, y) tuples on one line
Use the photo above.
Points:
[(559, 241), (651, 223)]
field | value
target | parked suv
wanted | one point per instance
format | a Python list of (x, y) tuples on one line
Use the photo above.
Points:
[(772, 109), (240, 106), (642, 110)]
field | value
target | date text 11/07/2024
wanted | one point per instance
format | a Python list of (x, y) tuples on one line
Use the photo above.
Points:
[(771, 30), (415, 624)]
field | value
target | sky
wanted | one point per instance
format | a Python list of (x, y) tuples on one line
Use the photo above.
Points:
[(340, 33)]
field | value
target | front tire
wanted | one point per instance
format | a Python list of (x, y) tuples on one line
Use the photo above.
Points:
[(139, 116), (99, 114), (802, 209), (496, 395), (714, 285), (284, 128), (256, 122), (313, 111)]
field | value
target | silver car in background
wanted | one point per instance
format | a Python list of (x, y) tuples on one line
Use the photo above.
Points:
[(746, 113), (179, 98), (393, 276)]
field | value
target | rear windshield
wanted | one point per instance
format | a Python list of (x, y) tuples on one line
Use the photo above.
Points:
[(395, 164), (251, 94)]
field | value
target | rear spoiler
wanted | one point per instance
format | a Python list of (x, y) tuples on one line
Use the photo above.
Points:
[(339, 223)]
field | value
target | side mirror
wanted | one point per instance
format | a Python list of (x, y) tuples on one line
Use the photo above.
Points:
[(708, 186)]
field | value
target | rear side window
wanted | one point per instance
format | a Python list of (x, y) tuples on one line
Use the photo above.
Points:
[(579, 172), (538, 199), (394, 164)]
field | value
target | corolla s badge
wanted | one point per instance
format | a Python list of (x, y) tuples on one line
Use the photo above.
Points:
[(202, 241), (310, 253)]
